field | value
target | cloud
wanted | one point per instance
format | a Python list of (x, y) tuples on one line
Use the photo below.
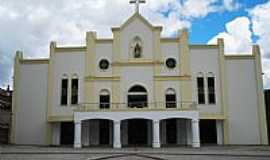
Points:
[(237, 36), (231, 5), (198, 8), (240, 31), (30, 25), (260, 25)]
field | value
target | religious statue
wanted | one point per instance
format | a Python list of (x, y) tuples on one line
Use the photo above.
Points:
[(137, 51)]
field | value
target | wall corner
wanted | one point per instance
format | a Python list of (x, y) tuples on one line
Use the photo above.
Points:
[(15, 95), (260, 96)]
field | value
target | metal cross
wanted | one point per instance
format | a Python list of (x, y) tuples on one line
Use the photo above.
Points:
[(137, 3)]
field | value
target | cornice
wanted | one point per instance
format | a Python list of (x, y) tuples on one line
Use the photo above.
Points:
[(95, 78), (239, 57), (70, 49), (34, 61), (173, 78), (203, 46), (136, 63)]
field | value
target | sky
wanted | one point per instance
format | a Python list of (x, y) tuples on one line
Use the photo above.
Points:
[(30, 25)]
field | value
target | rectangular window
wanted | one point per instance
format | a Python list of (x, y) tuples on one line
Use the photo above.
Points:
[(170, 101), (201, 95), (104, 101), (211, 90), (137, 101), (64, 91), (74, 91)]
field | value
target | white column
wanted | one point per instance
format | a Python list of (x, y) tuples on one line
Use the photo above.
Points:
[(156, 138), (219, 125), (195, 133), (85, 133), (56, 130), (77, 136), (116, 134)]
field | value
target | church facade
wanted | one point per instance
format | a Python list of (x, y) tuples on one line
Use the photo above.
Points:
[(139, 88)]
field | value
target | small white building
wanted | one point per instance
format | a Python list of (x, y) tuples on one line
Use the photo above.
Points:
[(139, 88)]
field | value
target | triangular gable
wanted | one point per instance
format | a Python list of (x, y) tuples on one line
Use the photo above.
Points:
[(139, 16)]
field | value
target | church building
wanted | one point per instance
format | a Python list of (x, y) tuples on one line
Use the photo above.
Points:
[(139, 89)]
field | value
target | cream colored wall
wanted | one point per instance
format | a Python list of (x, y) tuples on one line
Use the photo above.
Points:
[(31, 121), (137, 72), (100, 85), (171, 84), (205, 61), (132, 75), (136, 28), (170, 50), (103, 51), (141, 75), (69, 63)]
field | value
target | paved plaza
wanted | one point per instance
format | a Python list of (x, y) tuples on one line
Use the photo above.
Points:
[(170, 153)]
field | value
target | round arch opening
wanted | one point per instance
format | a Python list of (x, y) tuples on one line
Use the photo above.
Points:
[(137, 97)]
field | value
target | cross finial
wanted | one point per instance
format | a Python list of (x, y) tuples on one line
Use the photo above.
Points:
[(137, 3)]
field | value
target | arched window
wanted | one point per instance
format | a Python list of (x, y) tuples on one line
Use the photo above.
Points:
[(104, 99), (170, 98), (74, 89), (211, 88), (137, 97), (64, 90), (200, 88), (136, 47)]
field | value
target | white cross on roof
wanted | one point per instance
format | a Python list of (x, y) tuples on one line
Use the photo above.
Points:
[(137, 3)]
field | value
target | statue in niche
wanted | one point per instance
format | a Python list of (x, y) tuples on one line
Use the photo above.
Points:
[(137, 51), (137, 47)]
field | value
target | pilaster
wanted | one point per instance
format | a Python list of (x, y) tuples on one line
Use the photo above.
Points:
[(15, 95), (223, 89), (90, 66), (260, 95), (157, 68), (50, 90), (116, 69), (184, 60)]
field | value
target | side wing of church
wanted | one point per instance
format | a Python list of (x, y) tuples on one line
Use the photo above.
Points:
[(139, 88)]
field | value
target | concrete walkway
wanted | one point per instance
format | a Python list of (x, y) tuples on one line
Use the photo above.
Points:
[(250, 152)]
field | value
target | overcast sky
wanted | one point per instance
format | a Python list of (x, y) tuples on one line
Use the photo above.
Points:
[(29, 25)]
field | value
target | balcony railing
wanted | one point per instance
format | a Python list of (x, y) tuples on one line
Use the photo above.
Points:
[(137, 106)]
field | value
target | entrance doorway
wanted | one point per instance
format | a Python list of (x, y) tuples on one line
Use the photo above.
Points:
[(138, 132), (171, 135), (67, 133), (104, 132), (208, 132)]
